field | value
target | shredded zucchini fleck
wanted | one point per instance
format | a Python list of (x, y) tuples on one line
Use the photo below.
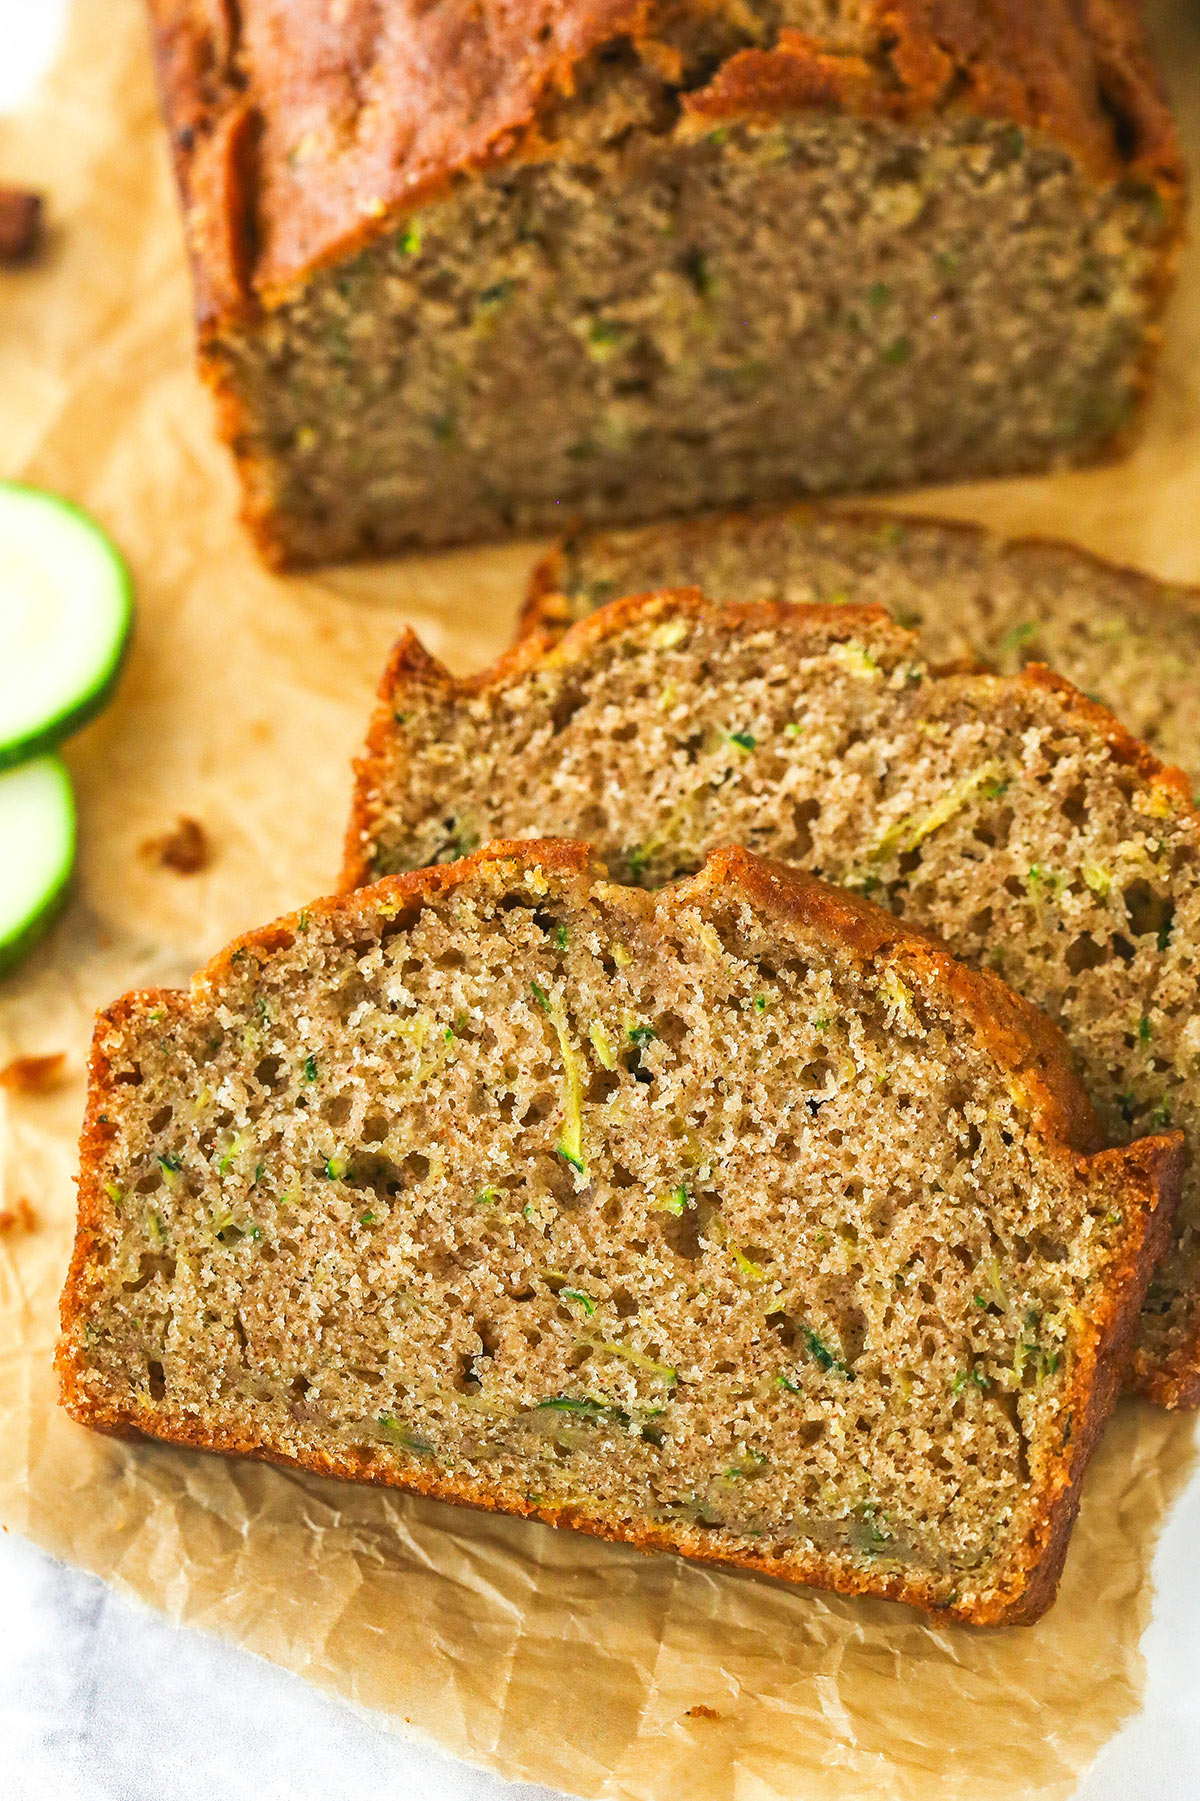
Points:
[(402, 1434), (827, 1359), (899, 996), (857, 659), (905, 834), (638, 1359), (753, 1272), (670, 633)]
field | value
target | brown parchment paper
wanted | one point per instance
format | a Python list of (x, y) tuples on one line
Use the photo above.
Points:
[(548, 1656)]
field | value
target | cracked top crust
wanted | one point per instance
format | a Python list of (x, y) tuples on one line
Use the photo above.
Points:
[(304, 129)]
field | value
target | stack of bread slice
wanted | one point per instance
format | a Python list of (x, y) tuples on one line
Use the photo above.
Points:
[(738, 1103)]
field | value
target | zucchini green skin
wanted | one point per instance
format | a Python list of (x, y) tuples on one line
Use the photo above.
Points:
[(15, 950), (97, 696), (16, 946)]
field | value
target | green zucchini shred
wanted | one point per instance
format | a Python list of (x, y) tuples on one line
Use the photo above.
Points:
[(403, 1435), (603, 1045), (676, 1201), (905, 834), (824, 1356), (630, 1354)]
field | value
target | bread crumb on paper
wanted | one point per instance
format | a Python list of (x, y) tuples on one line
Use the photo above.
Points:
[(18, 1218), (34, 1075), (20, 224), (186, 848)]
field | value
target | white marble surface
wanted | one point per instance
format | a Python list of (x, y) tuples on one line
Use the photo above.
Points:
[(100, 1700)]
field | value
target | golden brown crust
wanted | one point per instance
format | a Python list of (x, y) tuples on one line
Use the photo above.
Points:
[(195, 43), (1123, 747), (1025, 1046), (298, 140), (1083, 75), (1154, 1168), (1171, 1381), (95, 1135)]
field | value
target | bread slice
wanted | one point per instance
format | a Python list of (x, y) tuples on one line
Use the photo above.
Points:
[(1009, 814), (738, 1221), (1130, 641)]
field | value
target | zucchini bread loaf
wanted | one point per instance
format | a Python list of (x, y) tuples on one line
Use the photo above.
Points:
[(1010, 815), (738, 1221), (465, 270), (1129, 641)]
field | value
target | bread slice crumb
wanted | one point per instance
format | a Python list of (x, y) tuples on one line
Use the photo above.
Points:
[(738, 1220), (1009, 814)]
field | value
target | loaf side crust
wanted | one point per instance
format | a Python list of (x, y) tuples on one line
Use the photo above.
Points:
[(1026, 1046)]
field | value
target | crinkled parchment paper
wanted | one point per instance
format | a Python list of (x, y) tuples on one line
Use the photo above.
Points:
[(547, 1655)]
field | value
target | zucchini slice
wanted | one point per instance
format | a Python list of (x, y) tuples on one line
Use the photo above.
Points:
[(37, 849), (66, 603)]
